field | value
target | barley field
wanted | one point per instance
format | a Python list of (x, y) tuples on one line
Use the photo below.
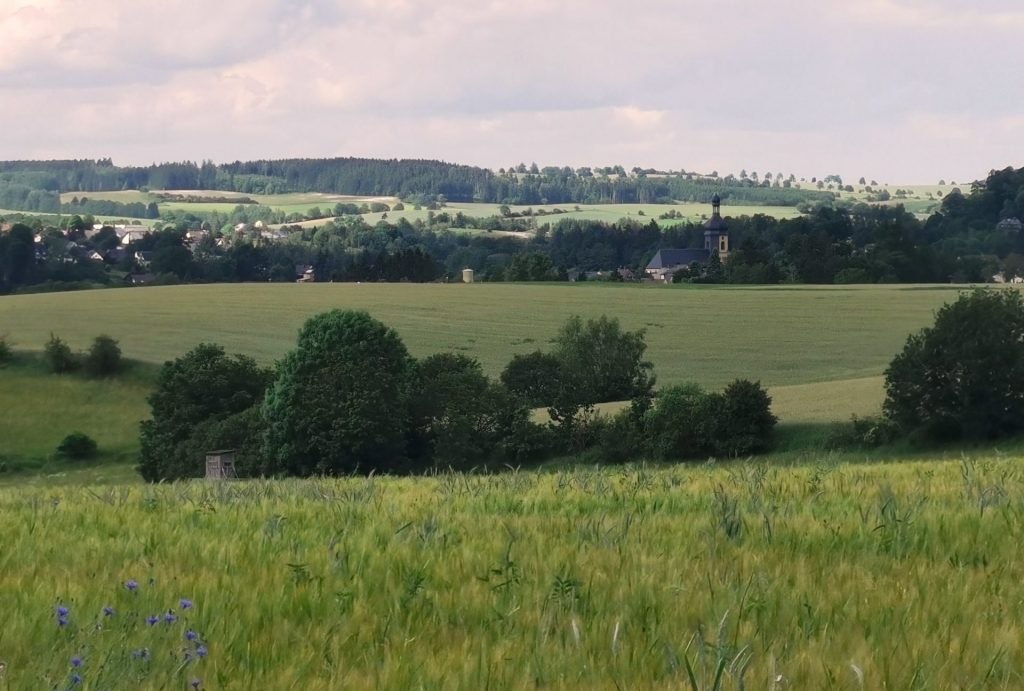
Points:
[(742, 576)]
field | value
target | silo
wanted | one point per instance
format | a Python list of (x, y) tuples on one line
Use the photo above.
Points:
[(467, 275)]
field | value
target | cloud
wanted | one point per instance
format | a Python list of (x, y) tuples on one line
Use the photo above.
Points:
[(885, 88)]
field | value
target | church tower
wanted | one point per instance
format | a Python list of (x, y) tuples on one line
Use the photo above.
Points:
[(716, 231)]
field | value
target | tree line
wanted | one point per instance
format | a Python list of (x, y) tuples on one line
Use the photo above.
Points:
[(408, 179), (349, 398)]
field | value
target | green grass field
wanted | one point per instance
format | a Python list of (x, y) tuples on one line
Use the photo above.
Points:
[(824, 576), (40, 409), (781, 335), (822, 350)]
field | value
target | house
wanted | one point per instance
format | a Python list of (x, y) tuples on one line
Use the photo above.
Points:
[(304, 273), (667, 262), (143, 258)]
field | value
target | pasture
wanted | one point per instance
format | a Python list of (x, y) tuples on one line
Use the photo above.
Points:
[(821, 350), (824, 576)]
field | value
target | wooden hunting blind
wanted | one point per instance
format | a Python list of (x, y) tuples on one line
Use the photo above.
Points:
[(220, 465)]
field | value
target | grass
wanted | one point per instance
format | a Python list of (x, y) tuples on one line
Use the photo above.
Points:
[(827, 575), (781, 335), (821, 350), (40, 409)]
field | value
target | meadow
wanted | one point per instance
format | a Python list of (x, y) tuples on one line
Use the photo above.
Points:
[(822, 576), (821, 350)]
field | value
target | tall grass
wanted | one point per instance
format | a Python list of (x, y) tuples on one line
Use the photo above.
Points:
[(741, 576)]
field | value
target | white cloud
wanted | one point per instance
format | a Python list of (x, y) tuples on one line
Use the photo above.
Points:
[(885, 88)]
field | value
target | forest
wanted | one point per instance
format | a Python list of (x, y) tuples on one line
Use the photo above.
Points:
[(36, 185)]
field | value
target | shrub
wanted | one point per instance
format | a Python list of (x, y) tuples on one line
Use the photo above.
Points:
[(6, 353), (77, 446), (744, 422), (681, 423), (963, 377), (338, 403), (861, 433), (58, 356), (621, 438), (103, 358)]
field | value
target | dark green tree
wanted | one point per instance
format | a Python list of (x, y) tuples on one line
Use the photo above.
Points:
[(601, 362), (744, 422), (203, 386), (533, 377), (459, 419), (338, 404), (103, 358), (962, 377)]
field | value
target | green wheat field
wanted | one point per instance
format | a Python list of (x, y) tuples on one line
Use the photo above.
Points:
[(745, 576)]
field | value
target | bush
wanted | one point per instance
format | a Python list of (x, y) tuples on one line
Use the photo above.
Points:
[(963, 377), (861, 433), (77, 446), (58, 356), (338, 405), (744, 422), (621, 438), (103, 358), (681, 423), (6, 353)]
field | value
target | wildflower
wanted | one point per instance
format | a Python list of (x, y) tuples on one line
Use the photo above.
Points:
[(186, 604), (201, 651), (132, 585), (196, 683), (169, 617), (76, 662), (63, 611), (109, 611), (191, 635), (76, 679), (62, 621), (152, 620)]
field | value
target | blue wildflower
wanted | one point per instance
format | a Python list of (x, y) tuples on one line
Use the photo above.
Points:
[(76, 679), (63, 611), (76, 662), (109, 611), (152, 620), (201, 651), (132, 585), (169, 617), (62, 621), (196, 683), (191, 635), (186, 603)]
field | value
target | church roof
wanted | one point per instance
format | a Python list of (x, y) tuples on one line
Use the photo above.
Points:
[(718, 223), (665, 259)]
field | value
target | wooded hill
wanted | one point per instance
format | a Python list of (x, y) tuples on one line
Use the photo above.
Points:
[(35, 185)]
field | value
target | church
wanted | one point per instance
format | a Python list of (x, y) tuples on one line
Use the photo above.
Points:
[(716, 240)]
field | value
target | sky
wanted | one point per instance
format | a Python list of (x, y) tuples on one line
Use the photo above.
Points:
[(900, 91)]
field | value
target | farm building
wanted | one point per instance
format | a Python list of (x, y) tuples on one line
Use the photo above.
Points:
[(716, 240)]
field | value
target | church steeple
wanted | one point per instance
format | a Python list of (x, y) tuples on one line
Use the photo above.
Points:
[(716, 231)]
